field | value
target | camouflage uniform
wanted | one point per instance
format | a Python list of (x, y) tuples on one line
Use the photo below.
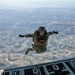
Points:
[(39, 44)]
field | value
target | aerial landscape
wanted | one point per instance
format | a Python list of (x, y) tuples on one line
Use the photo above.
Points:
[(26, 21)]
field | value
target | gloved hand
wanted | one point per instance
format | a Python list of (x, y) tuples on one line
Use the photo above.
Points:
[(55, 32), (21, 35)]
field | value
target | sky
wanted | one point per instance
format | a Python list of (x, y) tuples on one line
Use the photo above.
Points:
[(36, 3)]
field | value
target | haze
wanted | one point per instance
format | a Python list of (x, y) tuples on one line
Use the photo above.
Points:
[(36, 3)]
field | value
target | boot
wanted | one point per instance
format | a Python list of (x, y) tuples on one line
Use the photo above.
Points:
[(29, 49), (26, 52)]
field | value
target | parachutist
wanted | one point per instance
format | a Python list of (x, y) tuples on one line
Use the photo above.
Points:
[(40, 38)]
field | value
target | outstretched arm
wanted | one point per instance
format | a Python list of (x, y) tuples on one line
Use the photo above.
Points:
[(27, 35), (53, 32)]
